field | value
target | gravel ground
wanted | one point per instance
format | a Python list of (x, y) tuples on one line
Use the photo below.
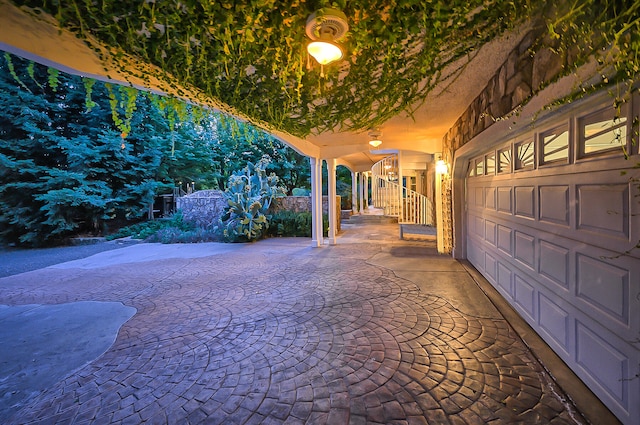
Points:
[(18, 260)]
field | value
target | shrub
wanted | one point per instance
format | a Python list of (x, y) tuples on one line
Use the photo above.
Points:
[(175, 235), (288, 223), (298, 191), (148, 228)]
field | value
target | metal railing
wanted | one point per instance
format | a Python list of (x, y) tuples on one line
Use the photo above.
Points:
[(396, 200)]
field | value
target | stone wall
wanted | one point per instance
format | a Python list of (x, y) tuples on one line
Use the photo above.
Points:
[(520, 77), (205, 207), (202, 208), (303, 204)]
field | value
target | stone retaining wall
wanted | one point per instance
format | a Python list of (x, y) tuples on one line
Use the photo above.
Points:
[(205, 207), (202, 208)]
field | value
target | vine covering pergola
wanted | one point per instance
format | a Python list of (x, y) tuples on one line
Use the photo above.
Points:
[(251, 55)]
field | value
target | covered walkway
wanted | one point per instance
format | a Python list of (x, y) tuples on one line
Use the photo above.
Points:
[(371, 330)]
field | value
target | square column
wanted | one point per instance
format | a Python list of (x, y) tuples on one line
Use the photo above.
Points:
[(401, 190), (367, 186), (332, 193), (354, 192), (316, 201), (362, 195)]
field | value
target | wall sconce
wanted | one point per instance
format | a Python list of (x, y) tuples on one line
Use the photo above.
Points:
[(325, 27), (441, 167)]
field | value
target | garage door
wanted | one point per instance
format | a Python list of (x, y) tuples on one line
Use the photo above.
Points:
[(552, 224)]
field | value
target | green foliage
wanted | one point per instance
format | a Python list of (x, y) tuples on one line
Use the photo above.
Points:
[(289, 223), (88, 88), (65, 168), (123, 102), (148, 229), (251, 55), (176, 235), (249, 194), (299, 191)]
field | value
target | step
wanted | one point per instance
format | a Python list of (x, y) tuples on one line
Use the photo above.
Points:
[(365, 218)]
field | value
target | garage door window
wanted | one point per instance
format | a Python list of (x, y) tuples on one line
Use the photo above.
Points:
[(491, 164), (602, 132), (555, 145), (504, 160), (479, 167), (526, 155)]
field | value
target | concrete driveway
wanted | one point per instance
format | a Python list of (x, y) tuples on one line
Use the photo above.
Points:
[(373, 330)]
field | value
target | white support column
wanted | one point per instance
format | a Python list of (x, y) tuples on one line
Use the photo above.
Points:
[(354, 192), (319, 224), (332, 193), (401, 189), (439, 217), (316, 194), (361, 193), (367, 186)]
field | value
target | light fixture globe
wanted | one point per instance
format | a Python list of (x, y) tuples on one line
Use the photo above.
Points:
[(441, 167), (324, 52), (325, 27), (374, 137)]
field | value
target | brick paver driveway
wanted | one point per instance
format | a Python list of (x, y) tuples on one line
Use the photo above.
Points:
[(279, 332)]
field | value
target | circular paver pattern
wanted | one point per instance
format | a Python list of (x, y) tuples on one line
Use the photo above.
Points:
[(287, 334)]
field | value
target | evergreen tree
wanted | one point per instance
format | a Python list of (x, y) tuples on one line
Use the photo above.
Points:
[(65, 169), (79, 156)]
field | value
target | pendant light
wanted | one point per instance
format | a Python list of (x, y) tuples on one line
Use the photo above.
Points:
[(325, 27), (374, 137)]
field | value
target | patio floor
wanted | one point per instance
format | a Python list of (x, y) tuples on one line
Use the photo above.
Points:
[(373, 330)]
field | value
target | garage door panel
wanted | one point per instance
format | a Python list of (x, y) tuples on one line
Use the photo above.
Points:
[(505, 278), (604, 209), (490, 232), (479, 196), (603, 235), (591, 279), (554, 204), (505, 243), (525, 249), (476, 255), (555, 321), (479, 227), (505, 204), (554, 263), (605, 364), (524, 296), (604, 287), (525, 201), (571, 283), (490, 197)]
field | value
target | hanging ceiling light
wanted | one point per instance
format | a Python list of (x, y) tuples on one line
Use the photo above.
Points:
[(374, 137), (324, 51), (325, 27)]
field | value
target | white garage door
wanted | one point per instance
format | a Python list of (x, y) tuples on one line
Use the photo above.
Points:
[(552, 224)]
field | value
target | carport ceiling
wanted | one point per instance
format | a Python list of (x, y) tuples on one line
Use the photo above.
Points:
[(411, 67)]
